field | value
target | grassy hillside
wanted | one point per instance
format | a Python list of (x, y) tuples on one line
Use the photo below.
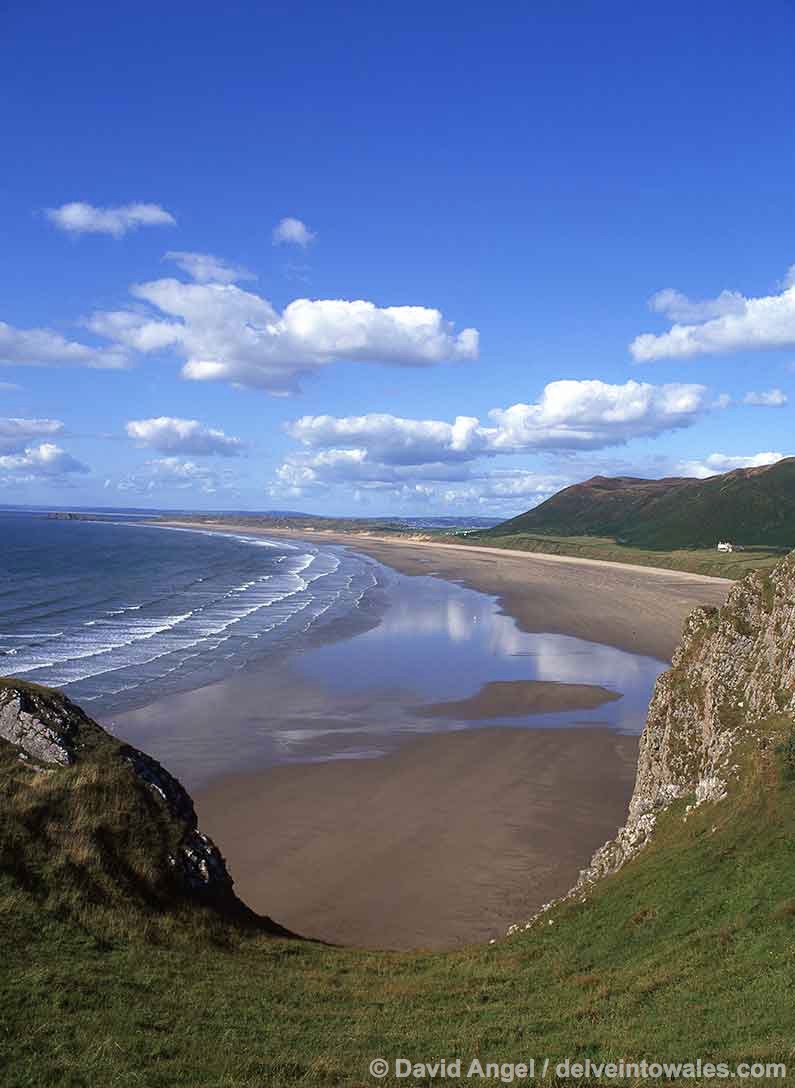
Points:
[(685, 953), (753, 506)]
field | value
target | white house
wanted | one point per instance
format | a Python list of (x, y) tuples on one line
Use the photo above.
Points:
[(725, 546)]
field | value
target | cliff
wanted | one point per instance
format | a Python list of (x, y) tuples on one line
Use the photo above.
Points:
[(733, 673), (107, 819)]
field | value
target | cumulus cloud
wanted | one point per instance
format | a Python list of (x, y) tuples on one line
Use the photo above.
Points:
[(394, 440), (172, 435), (569, 415), (717, 463), (172, 473), (42, 347), (770, 398), (678, 307), (594, 414), (36, 462), (228, 334), (728, 323), (411, 458), (204, 268), (290, 231), (18, 434), (78, 217)]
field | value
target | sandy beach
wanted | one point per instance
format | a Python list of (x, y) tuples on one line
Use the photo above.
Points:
[(447, 841), (640, 609), (449, 837)]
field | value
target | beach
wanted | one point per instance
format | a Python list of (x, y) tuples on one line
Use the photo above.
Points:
[(452, 835)]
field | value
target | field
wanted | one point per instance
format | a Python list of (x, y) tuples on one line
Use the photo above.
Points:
[(698, 560)]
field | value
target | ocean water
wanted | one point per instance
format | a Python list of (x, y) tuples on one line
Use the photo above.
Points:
[(118, 615)]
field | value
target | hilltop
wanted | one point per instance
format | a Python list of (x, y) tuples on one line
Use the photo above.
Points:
[(121, 965), (750, 506)]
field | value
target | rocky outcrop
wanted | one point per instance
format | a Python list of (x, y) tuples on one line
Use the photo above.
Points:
[(46, 730), (50, 731), (197, 859), (733, 670)]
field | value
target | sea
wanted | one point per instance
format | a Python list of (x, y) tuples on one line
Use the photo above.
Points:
[(119, 614), (329, 653)]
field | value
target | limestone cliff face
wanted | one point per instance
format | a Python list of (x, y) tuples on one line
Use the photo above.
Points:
[(734, 668), (49, 731)]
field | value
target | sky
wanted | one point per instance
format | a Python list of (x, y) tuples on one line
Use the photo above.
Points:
[(417, 260)]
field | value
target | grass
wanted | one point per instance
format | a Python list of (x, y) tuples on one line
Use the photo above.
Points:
[(107, 978), (706, 561)]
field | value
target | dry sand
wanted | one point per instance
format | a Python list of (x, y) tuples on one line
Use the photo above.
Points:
[(454, 836), (518, 698)]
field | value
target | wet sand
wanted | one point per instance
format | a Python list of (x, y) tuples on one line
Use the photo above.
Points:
[(456, 835), (447, 841), (635, 608), (517, 698)]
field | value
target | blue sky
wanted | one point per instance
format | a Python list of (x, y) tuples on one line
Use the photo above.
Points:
[(380, 221)]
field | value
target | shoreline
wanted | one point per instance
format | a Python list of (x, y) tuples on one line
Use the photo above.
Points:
[(634, 608), (448, 838)]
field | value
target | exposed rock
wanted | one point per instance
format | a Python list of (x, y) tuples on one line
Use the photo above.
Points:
[(198, 860), (45, 729), (50, 731), (734, 668)]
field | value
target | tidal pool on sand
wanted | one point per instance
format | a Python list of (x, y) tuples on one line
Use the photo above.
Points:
[(440, 641), (361, 694)]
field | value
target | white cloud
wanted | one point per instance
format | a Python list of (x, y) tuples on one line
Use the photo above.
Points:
[(678, 307), (228, 334), (444, 485), (290, 231), (81, 218), (171, 473), (17, 434), (204, 268), (569, 415), (729, 323), (394, 440), (41, 347), (717, 463), (594, 414), (171, 435), (770, 398), (37, 462)]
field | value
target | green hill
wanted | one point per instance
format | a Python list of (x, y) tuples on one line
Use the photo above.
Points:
[(125, 961), (751, 506)]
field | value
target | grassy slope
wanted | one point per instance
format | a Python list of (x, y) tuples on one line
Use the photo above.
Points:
[(751, 506), (685, 953), (697, 560)]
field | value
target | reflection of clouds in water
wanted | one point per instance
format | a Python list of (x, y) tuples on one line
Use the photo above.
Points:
[(564, 659), (461, 614), (439, 641), (458, 618)]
